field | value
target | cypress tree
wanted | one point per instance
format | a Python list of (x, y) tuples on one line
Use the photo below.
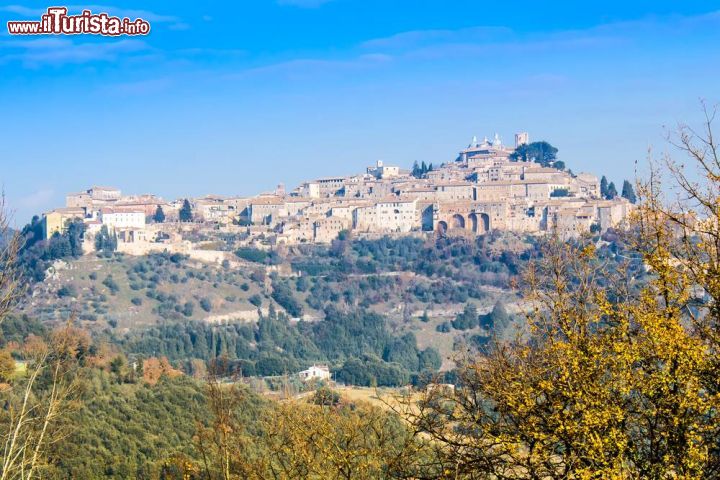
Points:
[(628, 192)]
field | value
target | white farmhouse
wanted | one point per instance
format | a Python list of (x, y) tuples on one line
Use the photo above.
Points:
[(316, 372)]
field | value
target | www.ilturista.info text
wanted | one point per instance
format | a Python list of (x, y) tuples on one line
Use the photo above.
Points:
[(57, 22)]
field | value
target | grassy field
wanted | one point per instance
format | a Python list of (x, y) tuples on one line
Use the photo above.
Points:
[(380, 397)]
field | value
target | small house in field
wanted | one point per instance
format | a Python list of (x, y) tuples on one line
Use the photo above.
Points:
[(316, 372)]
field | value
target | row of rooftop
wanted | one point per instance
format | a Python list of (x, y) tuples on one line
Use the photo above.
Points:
[(481, 190)]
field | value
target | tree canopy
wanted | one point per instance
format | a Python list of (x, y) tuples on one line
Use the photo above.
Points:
[(159, 216), (186, 214), (419, 170), (628, 192), (105, 241), (540, 152)]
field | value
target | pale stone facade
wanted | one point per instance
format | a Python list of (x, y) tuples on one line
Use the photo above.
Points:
[(116, 218), (266, 210), (381, 171), (327, 229), (480, 191), (392, 215)]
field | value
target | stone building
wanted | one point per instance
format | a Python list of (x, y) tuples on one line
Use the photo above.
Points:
[(390, 215), (479, 191), (56, 221), (327, 229), (119, 218), (266, 210)]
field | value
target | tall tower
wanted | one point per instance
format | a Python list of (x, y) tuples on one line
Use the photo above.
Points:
[(522, 138)]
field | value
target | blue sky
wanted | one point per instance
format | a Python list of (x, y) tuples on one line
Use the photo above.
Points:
[(234, 97)]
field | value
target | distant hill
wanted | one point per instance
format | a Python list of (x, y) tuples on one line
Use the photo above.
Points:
[(440, 291), (402, 286)]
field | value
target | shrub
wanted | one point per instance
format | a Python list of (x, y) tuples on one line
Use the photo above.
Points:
[(206, 304), (111, 284), (252, 254), (429, 359), (283, 296), (67, 291), (443, 327), (326, 397), (255, 300), (467, 319), (7, 366)]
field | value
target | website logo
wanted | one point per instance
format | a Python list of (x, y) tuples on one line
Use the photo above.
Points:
[(57, 22)]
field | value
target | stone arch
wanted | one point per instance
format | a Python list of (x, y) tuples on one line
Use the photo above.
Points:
[(427, 218), (484, 224), (473, 222), (458, 221)]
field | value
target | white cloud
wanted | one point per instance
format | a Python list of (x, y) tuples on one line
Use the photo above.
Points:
[(23, 11), (313, 66), (485, 40), (60, 51), (415, 38)]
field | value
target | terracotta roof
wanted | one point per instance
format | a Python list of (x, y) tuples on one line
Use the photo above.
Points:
[(266, 201), (69, 210)]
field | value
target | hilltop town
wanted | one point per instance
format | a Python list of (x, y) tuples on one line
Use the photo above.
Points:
[(489, 186)]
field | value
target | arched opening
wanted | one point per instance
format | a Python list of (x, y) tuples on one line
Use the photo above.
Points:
[(442, 227), (458, 221), (427, 218), (473, 222), (484, 223)]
